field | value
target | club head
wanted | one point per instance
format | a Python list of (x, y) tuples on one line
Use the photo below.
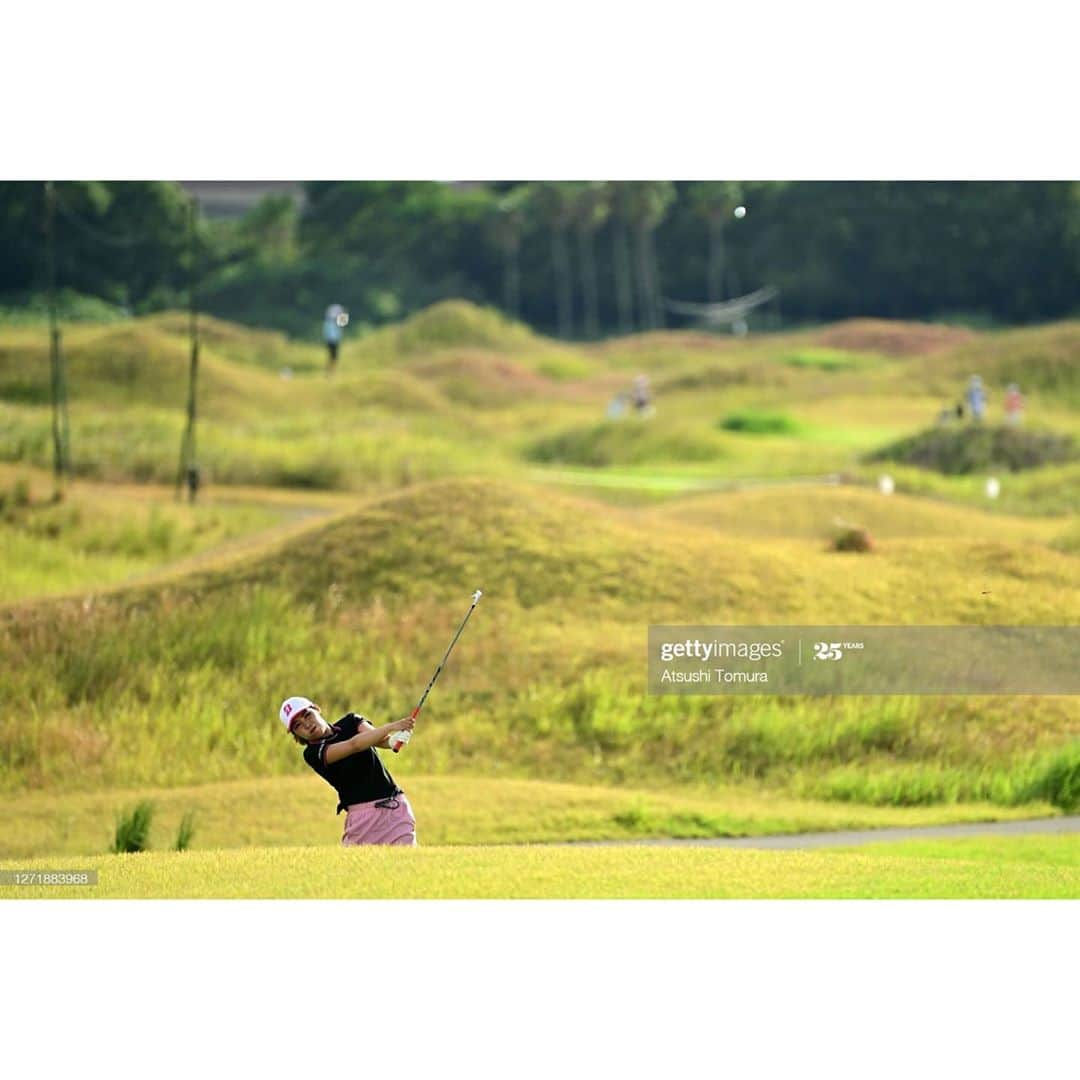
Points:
[(476, 596)]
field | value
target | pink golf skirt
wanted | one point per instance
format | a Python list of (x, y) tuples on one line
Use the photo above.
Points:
[(387, 821)]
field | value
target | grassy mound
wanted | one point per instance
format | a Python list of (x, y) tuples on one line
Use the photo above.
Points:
[(399, 392), (179, 683), (657, 350), (483, 338), (726, 375), (960, 451), (803, 512), (128, 387), (1051, 490), (242, 344), (481, 380), (892, 338), (1042, 359), (298, 446), (32, 309), (531, 547), (133, 363), (93, 537), (626, 442), (451, 324), (441, 538), (389, 414)]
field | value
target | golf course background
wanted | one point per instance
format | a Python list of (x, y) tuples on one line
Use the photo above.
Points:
[(346, 520)]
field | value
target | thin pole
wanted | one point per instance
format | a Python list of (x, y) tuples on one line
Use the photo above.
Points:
[(624, 282), (55, 372), (187, 446), (65, 423)]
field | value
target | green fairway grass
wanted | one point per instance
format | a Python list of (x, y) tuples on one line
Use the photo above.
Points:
[(539, 872), (1044, 849), (460, 809)]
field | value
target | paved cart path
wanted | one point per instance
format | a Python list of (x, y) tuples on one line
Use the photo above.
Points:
[(852, 837)]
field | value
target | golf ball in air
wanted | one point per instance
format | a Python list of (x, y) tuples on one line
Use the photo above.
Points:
[(740, 211), (885, 484), (993, 487)]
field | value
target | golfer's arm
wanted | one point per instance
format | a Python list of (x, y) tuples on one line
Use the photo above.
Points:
[(364, 739), (382, 744)]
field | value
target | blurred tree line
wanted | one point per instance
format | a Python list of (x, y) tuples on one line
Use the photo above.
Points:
[(577, 259)]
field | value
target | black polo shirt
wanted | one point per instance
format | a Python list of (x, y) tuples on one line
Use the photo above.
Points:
[(357, 778)]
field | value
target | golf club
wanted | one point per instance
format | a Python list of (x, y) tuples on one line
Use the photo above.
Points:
[(400, 738)]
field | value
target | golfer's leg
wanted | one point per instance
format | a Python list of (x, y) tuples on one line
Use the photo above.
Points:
[(358, 824), (404, 833)]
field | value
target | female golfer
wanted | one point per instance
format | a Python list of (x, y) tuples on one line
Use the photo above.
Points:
[(343, 754)]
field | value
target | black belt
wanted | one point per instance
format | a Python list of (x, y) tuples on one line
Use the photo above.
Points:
[(389, 803)]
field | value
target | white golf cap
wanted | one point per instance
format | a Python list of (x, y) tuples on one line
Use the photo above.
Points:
[(292, 707)]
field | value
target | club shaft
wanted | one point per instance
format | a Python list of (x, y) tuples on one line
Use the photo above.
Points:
[(442, 662)]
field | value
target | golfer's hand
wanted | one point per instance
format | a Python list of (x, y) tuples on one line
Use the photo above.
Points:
[(406, 723)]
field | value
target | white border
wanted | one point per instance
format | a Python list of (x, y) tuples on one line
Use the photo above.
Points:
[(665, 988), (485, 90)]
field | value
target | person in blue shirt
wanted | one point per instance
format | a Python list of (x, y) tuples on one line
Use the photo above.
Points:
[(976, 398), (334, 323)]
